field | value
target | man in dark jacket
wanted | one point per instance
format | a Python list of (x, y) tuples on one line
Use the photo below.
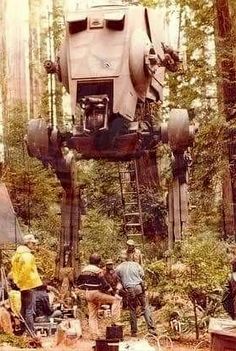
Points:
[(97, 293), (42, 304), (111, 277)]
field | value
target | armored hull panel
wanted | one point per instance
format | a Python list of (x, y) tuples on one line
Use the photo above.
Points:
[(111, 44)]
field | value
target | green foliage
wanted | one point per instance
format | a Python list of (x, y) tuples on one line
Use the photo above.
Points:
[(48, 230), (196, 90), (33, 189), (199, 268), (157, 273), (154, 212), (44, 97), (200, 262), (150, 3), (58, 28), (15, 128), (13, 340), (45, 260), (100, 234), (206, 262), (102, 186)]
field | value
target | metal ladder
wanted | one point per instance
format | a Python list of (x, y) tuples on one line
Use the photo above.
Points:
[(130, 197)]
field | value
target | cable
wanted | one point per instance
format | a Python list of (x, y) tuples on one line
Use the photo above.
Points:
[(158, 338)]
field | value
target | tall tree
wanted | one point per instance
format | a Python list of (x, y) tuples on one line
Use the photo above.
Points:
[(3, 81), (225, 44), (17, 51)]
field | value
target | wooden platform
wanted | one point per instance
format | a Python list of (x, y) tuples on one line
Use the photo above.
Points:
[(223, 334)]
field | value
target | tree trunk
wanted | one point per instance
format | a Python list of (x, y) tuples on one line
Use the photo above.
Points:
[(3, 80), (195, 319), (226, 46), (228, 209), (148, 179), (17, 51), (147, 171)]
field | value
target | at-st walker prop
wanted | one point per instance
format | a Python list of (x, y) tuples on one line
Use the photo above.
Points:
[(112, 63)]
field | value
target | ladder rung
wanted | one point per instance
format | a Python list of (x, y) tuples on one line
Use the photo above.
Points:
[(132, 214), (130, 200), (133, 224)]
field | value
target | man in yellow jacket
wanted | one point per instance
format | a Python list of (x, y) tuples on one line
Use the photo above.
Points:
[(25, 276)]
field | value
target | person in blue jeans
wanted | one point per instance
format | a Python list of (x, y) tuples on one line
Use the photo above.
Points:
[(131, 275), (26, 277)]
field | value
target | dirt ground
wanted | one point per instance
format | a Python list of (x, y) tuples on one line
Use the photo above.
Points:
[(87, 345), (183, 347)]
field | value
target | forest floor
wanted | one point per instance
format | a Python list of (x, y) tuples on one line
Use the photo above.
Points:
[(184, 342), (87, 345)]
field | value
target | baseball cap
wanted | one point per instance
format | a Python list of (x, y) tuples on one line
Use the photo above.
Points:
[(109, 261), (130, 242), (30, 238)]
